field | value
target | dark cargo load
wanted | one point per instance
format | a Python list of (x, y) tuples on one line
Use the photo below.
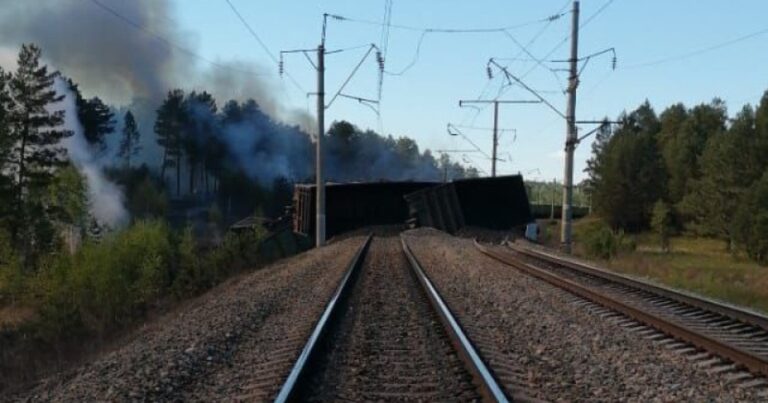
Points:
[(349, 206), (499, 203)]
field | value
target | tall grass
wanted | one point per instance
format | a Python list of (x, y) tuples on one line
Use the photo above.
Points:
[(701, 265)]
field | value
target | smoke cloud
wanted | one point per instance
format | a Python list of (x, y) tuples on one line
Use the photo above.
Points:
[(105, 199), (132, 69)]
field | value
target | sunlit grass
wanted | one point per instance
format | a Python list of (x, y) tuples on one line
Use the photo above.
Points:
[(701, 265)]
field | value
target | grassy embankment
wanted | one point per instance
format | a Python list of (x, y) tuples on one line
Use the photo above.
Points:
[(701, 265)]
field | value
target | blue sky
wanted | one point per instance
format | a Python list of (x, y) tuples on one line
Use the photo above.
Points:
[(450, 67)]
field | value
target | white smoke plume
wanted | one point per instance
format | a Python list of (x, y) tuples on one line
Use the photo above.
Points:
[(105, 199), (130, 60)]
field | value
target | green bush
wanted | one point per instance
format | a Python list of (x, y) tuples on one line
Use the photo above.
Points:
[(189, 276), (236, 252), (105, 284), (111, 282), (603, 243), (12, 275), (750, 225), (661, 223)]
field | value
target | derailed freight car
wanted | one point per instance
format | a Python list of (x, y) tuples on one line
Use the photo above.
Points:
[(349, 206), (499, 203)]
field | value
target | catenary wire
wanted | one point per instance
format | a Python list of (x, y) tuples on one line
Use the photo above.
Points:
[(262, 44), (167, 42)]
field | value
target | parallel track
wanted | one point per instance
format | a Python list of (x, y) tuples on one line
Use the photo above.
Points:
[(314, 355), (727, 332)]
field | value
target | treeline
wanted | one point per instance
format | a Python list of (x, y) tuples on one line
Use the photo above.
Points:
[(207, 145), (552, 193), (689, 170)]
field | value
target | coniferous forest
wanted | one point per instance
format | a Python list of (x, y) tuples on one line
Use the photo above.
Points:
[(695, 170)]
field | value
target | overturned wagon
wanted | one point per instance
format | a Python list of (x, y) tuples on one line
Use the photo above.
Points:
[(349, 206), (499, 203)]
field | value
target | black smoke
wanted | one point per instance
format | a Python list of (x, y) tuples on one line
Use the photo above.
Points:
[(134, 58)]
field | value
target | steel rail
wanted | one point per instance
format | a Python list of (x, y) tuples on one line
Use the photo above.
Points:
[(708, 305), (735, 354), (290, 386), (483, 377)]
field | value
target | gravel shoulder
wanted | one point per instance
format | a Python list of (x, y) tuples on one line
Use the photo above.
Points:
[(236, 342), (547, 344), (389, 345)]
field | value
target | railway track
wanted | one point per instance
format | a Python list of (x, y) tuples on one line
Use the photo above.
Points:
[(388, 335), (727, 340)]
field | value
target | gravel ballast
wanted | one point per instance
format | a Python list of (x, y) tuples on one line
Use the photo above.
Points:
[(389, 345), (236, 342), (547, 344)]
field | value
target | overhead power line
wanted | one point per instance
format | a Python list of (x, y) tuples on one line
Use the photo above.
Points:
[(169, 43), (263, 45), (530, 43), (449, 30), (700, 51), (432, 30), (596, 13), (503, 90)]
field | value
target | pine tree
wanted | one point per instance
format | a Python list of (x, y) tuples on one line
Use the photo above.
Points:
[(35, 134), (129, 144), (201, 124), (96, 118), (6, 145), (750, 226), (661, 223), (631, 172), (684, 149), (168, 126), (729, 164), (669, 140), (594, 166)]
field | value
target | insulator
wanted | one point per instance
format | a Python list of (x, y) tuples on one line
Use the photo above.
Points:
[(489, 72), (280, 67), (613, 63), (380, 60)]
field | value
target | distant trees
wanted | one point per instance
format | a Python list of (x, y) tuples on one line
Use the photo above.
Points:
[(129, 142), (693, 166), (201, 127), (627, 176), (661, 223), (168, 127), (6, 147), (217, 147), (96, 118)]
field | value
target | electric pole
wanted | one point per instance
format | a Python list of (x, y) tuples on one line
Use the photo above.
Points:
[(495, 103), (319, 66), (495, 137), (320, 182), (572, 136)]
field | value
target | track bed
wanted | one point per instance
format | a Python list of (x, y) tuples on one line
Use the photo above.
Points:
[(389, 345), (546, 343)]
